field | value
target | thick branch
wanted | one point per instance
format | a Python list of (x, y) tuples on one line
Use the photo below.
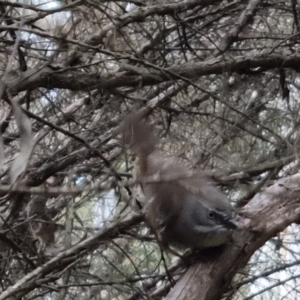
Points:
[(74, 80)]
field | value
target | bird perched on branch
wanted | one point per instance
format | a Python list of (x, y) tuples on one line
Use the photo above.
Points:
[(182, 207)]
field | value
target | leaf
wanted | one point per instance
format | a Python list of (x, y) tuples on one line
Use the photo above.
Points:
[(20, 163), (1, 152)]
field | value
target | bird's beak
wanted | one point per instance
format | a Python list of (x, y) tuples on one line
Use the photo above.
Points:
[(232, 223)]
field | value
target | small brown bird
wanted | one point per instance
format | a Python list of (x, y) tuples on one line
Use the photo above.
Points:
[(183, 211)]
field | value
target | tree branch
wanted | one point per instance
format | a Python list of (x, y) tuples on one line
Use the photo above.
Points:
[(49, 77), (89, 243)]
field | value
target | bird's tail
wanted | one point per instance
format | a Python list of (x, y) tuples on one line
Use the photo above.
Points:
[(139, 137)]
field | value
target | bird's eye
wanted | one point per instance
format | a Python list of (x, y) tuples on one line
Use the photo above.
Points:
[(211, 214)]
